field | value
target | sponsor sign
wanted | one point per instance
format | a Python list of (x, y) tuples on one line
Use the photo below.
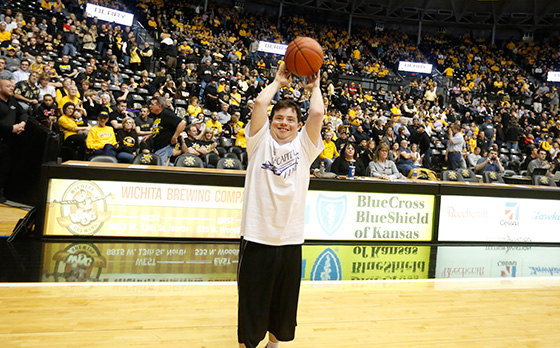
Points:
[(272, 47), (493, 219), (138, 262), (109, 14), (366, 262), (496, 262), (553, 76), (369, 216), (135, 209), (413, 67)]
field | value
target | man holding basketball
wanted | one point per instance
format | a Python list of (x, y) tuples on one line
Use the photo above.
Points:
[(276, 185)]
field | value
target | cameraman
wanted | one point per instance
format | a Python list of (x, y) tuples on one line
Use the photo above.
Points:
[(491, 163)]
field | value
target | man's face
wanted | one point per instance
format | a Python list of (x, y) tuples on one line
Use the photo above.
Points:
[(155, 107), (284, 125), (214, 116), (144, 112), (2, 64), (33, 78), (7, 88), (328, 137), (542, 155), (193, 132), (122, 107)]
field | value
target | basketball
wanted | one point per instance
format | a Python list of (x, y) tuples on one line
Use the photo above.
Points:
[(304, 57)]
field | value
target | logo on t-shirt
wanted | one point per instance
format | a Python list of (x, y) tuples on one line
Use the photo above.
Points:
[(283, 165)]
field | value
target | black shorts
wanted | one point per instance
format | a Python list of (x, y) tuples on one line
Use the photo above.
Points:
[(268, 280)]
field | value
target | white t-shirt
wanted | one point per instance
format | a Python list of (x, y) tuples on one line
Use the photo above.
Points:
[(276, 187)]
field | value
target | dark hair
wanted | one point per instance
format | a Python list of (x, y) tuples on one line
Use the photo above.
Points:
[(287, 103), (66, 106), (343, 149)]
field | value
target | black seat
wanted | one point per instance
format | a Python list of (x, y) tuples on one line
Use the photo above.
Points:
[(106, 159), (468, 175), (229, 163), (225, 142), (230, 155), (189, 160), (449, 175), (543, 180), (147, 158), (211, 159), (492, 177)]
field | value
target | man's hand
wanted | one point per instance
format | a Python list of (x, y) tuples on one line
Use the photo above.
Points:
[(18, 128)]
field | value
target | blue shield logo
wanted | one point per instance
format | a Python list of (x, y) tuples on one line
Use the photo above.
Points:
[(326, 267), (331, 212)]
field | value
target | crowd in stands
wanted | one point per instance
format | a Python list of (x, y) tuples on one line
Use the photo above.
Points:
[(108, 90)]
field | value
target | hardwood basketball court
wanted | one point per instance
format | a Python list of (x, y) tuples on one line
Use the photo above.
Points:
[(429, 313)]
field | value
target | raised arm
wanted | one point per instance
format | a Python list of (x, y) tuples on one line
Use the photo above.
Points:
[(259, 116), (316, 111)]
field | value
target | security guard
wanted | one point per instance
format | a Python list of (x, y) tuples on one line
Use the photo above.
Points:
[(13, 119)]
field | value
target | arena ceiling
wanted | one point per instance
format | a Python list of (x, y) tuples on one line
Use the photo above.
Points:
[(504, 13)]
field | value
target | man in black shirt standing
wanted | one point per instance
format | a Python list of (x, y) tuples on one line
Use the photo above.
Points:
[(13, 119), (166, 129), (424, 146)]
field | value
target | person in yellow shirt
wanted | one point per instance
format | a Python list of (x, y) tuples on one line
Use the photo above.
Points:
[(101, 138), (46, 4), (5, 35), (73, 126), (214, 124), (194, 109), (72, 97), (329, 153), (235, 99)]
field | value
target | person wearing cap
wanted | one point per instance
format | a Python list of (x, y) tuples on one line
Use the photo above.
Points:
[(235, 99), (12, 60), (101, 138), (13, 119)]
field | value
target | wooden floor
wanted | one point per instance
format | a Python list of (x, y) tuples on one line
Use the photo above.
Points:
[(9, 217), (472, 314)]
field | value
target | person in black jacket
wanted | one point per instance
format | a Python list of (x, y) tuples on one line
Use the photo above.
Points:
[(127, 139), (348, 157), (13, 119), (424, 145)]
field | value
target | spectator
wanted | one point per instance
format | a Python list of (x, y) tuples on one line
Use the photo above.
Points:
[(341, 165), (382, 167), (405, 162), (74, 128), (455, 147), (46, 112), (27, 92), (101, 138), (541, 163), (473, 157), (22, 74), (127, 140), (65, 67), (166, 129), (117, 117), (71, 97), (491, 163), (214, 124), (223, 115), (329, 153)]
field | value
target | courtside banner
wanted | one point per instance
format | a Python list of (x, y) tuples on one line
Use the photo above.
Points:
[(366, 262), (134, 209), (139, 262), (138, 209), (369, 216), (109, 14), (496, 219), (497, 261)]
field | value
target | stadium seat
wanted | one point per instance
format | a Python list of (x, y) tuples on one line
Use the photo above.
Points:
[(106, 159), (189, 160), (542, 180), (147, 158), (211, 159), (230, 155), (229, 163), (492, 177), (225, 142), (468, 175), (449, 175)]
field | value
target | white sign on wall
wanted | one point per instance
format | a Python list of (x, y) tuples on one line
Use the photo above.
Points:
[(496, 219), (553, 76), (272, 47), (109, 14), (420, 68)]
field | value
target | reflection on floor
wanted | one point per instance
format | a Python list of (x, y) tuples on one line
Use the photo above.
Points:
[(85, 261)]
